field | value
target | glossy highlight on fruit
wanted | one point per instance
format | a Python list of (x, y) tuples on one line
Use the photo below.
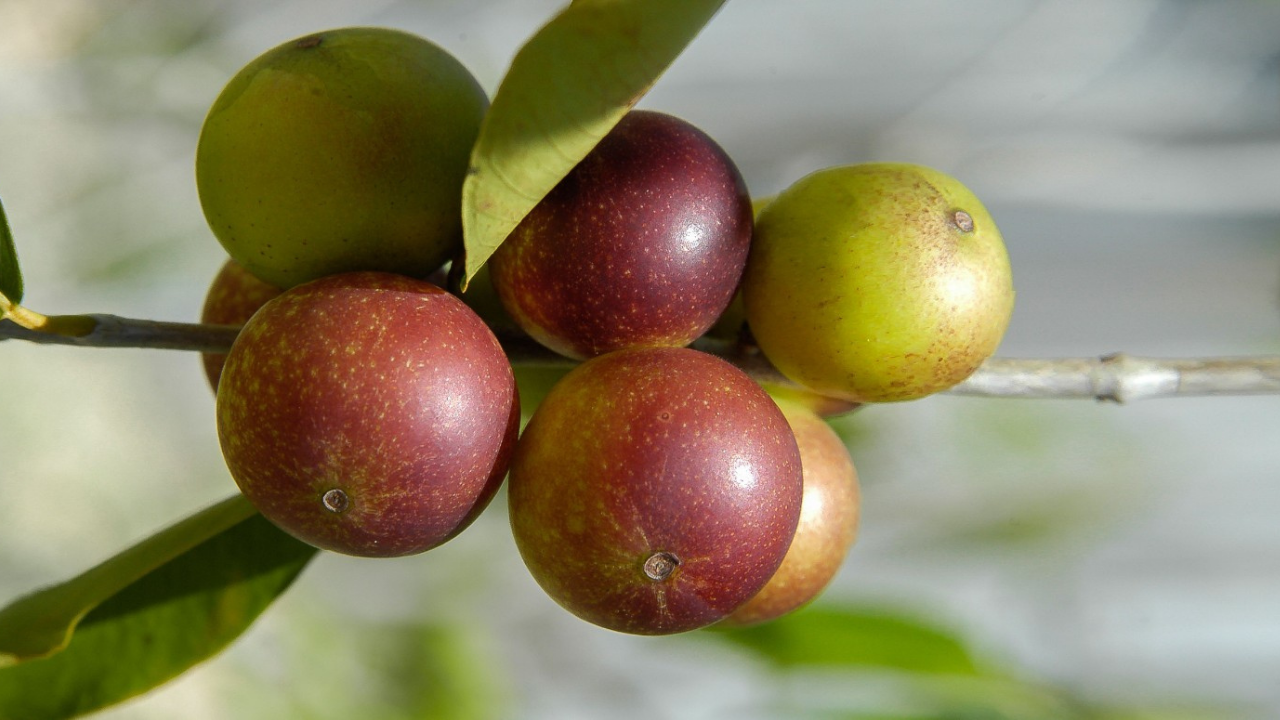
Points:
[(641, 245), (368, 413), (343, 150), (655, 490), (877, 282)]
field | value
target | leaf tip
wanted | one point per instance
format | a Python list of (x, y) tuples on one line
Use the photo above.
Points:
[(10, 273)]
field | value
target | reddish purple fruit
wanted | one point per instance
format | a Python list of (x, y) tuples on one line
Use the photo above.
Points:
[(655, 490), (641, 245), (233, 297), (368, 414)]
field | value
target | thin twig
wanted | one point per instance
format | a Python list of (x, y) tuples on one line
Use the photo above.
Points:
[(112, 331), (1123, 378), (1117, 377)]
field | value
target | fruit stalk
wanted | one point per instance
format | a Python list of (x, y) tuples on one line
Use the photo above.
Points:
[(1115, 377)]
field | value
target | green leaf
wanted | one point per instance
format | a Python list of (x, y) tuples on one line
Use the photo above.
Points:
[(10, 273), (144, 616), (566, 89), (41, 624), (825, 636)]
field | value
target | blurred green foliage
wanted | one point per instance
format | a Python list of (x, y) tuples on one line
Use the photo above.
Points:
[(826, 636), (890, 665), (377, 671)]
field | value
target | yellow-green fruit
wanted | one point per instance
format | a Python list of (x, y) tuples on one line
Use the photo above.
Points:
[(877, 282), (343, 150)]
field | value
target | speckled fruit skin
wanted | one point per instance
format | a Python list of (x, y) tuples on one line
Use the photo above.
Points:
[(367, 413), (233, 297), (649, 451), (343, 150), (828, 525), (877, 282), (641, 245)]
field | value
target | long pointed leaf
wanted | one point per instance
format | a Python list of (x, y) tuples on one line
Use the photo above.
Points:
[(144, 616), (10, 273), (40, 624), (566, 88)]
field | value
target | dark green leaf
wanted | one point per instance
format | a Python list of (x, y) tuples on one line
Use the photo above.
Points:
[(10, 273), (566, 88), (144, 616), (825, 636)]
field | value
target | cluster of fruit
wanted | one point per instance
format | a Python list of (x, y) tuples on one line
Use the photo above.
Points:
[(656, 488)]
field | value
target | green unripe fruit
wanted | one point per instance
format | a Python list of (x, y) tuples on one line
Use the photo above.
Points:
[(877, 282), (339, 151), (732, 326)]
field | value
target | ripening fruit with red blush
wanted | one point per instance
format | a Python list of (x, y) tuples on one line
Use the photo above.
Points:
[(368, 413), (655, 490)]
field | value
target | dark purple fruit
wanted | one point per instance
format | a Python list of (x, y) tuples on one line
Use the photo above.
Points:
[(641, 245)]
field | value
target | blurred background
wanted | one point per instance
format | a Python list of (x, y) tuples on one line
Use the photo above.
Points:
[(1018, 559)]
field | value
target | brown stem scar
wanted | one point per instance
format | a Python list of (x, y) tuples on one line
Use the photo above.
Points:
[(335, 501), (660, 565)]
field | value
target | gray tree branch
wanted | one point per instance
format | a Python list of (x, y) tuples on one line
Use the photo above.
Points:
[(1117, 377)]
